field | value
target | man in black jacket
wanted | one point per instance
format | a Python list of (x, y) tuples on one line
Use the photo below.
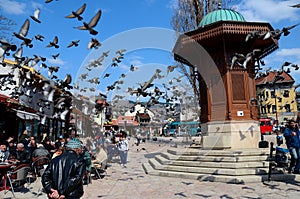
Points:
[(63, 176)]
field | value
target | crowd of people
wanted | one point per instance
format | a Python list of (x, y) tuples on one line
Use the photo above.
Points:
[(70, 158)]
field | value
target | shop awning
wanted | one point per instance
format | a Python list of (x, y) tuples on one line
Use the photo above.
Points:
[(26, 115)]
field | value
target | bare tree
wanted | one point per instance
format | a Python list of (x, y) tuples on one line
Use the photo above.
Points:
[(187, 15), (6, 28)]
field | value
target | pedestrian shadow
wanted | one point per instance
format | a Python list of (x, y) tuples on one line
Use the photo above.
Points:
[(151, 155), (202, 195)]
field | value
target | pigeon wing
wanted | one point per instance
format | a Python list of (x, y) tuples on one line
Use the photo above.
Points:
[(81, 9), (19, 53), (55, 41), (70, 16), (70, 45), (24, 29), (68, 79), (95, 19), (36, 13)]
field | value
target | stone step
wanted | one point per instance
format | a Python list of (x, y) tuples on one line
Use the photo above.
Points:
[(205, 158), (222, 153), (217, 178), (260, 164), (206, 170)]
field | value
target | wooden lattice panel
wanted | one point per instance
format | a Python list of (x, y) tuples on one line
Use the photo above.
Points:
[(238, 87)]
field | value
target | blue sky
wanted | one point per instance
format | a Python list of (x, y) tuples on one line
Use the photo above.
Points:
[(119, 16)]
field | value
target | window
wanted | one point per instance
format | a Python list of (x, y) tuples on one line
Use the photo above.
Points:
[(286, 93), (288, 108), (273, 94), (279, 99), (268, 108), (263, 110), (273, 109)]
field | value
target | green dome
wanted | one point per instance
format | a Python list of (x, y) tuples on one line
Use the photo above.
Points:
[(221, 15)]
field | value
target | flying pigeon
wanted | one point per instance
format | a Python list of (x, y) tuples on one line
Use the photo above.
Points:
[(91, 24), (94, 80), (250, 56), (18, 55), (36, 59), (286, 30), (105, 53), (53, 43), (132, 68), (55, 56), (237, 58), (39, 37), (36, 15), (83, 76), (52, 69), (253, 34), (106, 75), (73, 43), (121, 52), (276, 34), (295, 66), (296, 6), (94, 43), (63, 114), (170, 69), (67, 81), (43, 120), (77, 13), (23, 33), (4, 50)]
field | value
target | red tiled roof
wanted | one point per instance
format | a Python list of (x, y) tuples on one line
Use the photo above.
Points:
[(271, 77), (129, 120)]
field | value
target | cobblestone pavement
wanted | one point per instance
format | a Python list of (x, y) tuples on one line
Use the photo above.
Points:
[(132, 182)]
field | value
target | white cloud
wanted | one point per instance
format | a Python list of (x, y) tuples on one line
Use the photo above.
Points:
[(12, 7), (36, 5), (268, 10), (149, 2), (123, 66), (289, 52), (56, 61), (135, 60), (172, 4)]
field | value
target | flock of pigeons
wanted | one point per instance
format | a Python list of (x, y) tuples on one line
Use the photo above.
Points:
[(144, 90), (42, 94), (51, 96), (243, 60)]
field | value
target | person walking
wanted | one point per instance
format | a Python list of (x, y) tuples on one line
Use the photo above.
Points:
[(123, 147), (291, 134), (63, 176)]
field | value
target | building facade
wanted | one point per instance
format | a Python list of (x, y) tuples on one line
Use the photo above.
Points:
[(276, 97), (33, 103)]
